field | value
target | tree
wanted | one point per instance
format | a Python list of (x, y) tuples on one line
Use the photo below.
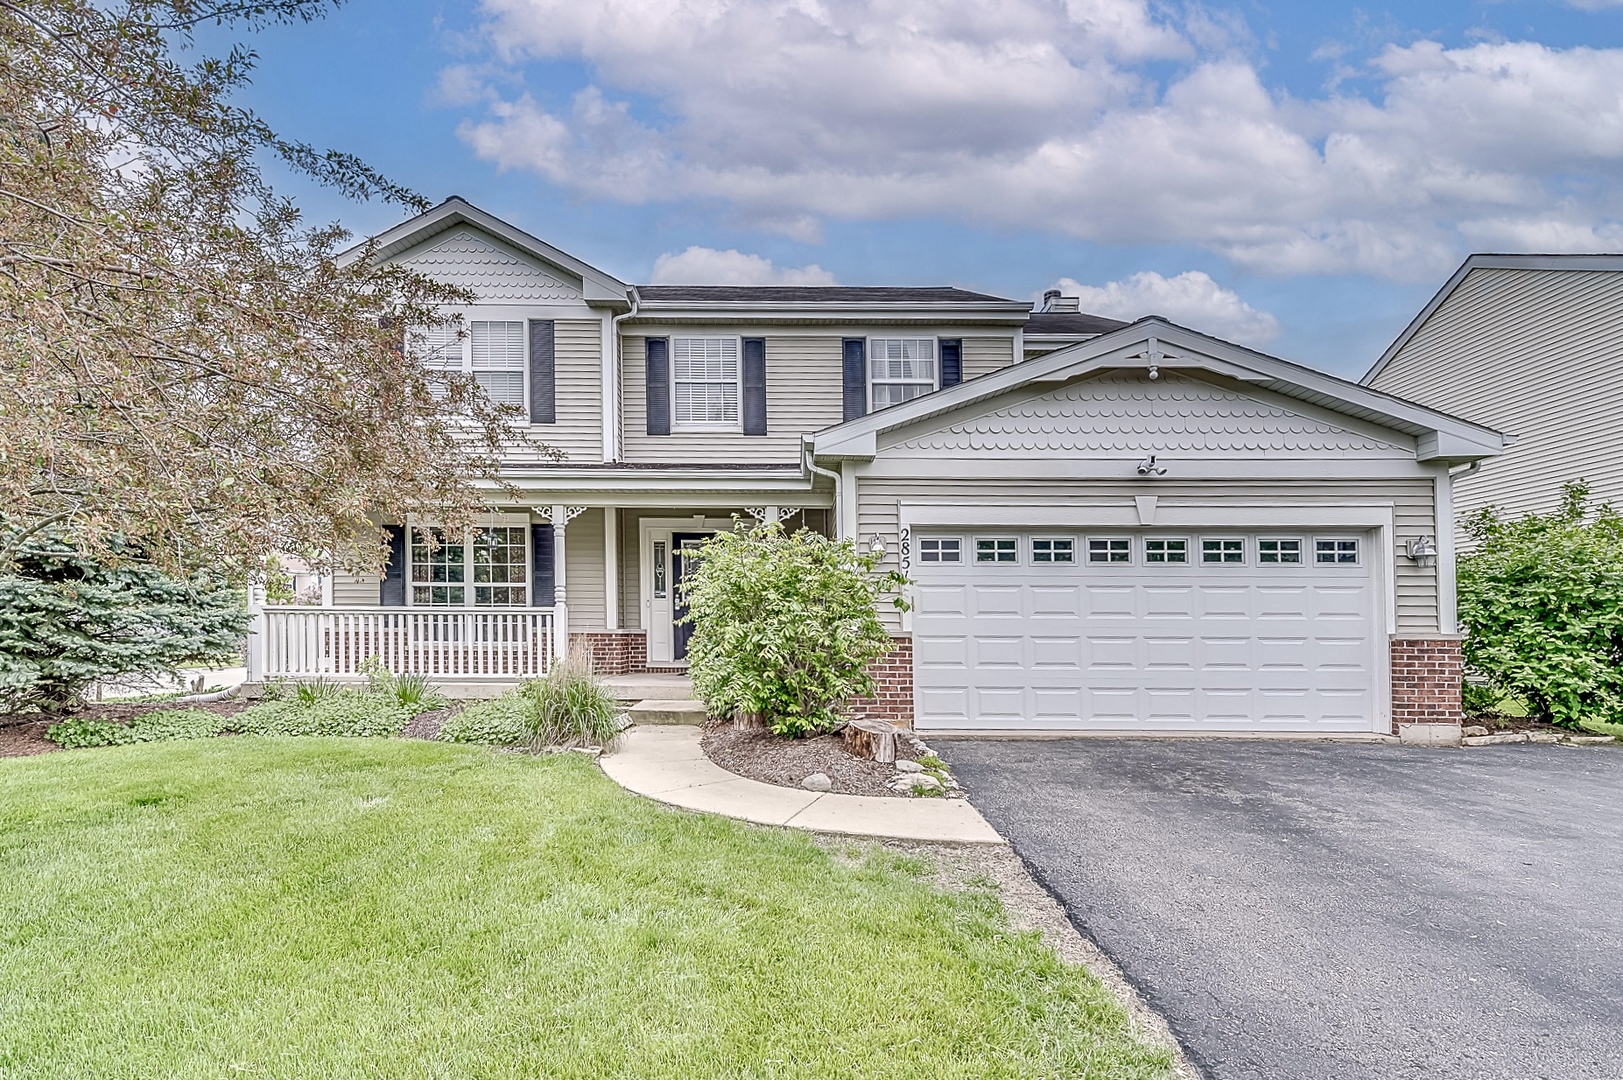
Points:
[(1541, 607), (785, 627), (187, 369), (67, 620)]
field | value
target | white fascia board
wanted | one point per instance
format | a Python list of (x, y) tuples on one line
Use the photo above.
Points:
[(1123, 513), (672, 481)]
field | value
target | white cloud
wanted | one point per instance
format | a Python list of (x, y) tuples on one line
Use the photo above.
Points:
[(708, 266), (1191, 298), (1045, 113)]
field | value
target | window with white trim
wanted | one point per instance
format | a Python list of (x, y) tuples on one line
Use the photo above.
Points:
[(1272, 551), (437, 348), (900, 369), (493, 351), (941, 549), (1227, 551), (1162, 550), (491, 567), (705, 383), (1053, 549), (996, 549), (1337, 551), (1110, 549)]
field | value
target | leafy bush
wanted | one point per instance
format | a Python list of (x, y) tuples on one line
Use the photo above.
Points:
[(1541, 605), (785, 626), (348, 712), (1480, 699), (502, 721), (157, 726)]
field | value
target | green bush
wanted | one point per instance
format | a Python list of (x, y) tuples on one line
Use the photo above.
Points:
[(1541, 605), (1480, 699), (157, 726), (499, 721), (785, 626), (349, 712)]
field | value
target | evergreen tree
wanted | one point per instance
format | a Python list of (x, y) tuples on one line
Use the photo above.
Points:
[(67, 620)]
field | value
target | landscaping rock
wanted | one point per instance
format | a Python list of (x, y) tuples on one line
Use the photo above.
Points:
[(915, 782), (1473, 730), (1544, 736), (1496, 740), (817, 782), (1590, 740), (908, 766)]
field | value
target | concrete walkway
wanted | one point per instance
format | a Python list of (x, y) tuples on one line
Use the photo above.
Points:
[(667, 764)]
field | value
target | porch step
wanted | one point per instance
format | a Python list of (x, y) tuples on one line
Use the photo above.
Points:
[(655, 711), (641, 687)]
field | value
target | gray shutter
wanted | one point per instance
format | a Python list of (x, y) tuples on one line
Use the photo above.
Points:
[(754, 403), (854, 374), (658, 393), (952, 362), (543, 372), (543, 563), (392, 589)]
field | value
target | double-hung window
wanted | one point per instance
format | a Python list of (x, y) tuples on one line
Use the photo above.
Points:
[(492, 351), (490, 568), (900, 369), (705, 383)]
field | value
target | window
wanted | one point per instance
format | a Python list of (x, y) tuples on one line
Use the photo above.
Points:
[(705, 374), (497, 350), (996, 549), (1225, 551), (1053, 549), (1335, 552), (1112, 549), (500, 568), (900, 369), (941, 549), (439, 348), (659, 568), (1159, 549), (1273, 552)]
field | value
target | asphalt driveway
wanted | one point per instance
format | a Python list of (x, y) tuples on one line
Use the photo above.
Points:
[(1336, 910)]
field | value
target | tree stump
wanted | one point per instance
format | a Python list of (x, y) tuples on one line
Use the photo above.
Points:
[(749, 721), (874, 739)]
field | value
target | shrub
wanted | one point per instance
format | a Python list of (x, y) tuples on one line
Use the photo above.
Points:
[(160, 725), (1541, 605), (785, 626), (499, 721), (316, 690), (348, 712), (569, 707), (1480, 699)]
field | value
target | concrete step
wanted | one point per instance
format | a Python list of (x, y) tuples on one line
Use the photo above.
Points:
[(655, 711), (644, 686)]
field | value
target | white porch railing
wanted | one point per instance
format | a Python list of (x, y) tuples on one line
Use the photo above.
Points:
[(299, 642)]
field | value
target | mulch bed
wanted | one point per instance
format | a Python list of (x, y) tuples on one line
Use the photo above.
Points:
[(426, 725), (772, 759), (24, 735), (1499, 724)]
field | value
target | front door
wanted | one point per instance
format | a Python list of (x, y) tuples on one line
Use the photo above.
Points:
[(682, 547)]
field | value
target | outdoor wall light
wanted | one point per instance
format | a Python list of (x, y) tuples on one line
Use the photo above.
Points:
[(1423, 550), (876, 546)]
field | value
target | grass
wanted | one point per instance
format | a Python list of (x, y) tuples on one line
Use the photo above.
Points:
[(326, 908)]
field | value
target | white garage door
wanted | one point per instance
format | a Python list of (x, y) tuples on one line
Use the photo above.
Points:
[(1142, 629)]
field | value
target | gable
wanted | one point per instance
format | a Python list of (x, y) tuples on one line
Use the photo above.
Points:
[(491, 269), (1126, 412)]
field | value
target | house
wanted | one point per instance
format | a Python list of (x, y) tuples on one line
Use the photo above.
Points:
[(1132, 527), (1531, 345)]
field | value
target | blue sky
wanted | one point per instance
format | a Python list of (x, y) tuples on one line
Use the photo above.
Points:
[(1299, 176)]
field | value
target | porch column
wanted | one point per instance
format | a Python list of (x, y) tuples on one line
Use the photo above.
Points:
[(611, 568), (560, 606), (256, 634)]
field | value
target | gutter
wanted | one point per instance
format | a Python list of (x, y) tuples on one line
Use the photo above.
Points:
[(812, 466), (611, 389)]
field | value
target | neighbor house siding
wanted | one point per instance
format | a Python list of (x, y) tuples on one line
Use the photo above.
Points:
[(1414, 514), (1537, 354), (984, 355)]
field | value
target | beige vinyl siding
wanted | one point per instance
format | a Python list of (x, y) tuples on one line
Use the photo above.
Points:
[(354, 590), (1414, 514), (1537, 354), (578, 432), (803, 394), (583, 572), (984, 355), (631, 568)]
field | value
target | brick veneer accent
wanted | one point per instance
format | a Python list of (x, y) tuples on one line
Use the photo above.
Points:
[(893, 686), (1426, 674), (614, 652)]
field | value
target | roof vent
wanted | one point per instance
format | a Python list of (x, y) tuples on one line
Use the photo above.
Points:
[(1053, 301)]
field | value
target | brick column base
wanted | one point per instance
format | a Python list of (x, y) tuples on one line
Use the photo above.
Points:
[(893, 686), (614, 652), (1426, 675)]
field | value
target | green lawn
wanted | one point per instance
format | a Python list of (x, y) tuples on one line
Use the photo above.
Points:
[(314, 908)]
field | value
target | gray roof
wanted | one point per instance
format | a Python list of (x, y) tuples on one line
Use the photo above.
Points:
[(1070, 322), (812, 294)]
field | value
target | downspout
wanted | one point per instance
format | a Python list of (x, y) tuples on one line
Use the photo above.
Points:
[(839, 507), (619, 366)]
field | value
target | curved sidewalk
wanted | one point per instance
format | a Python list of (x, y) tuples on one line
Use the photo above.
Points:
[(666, 763)]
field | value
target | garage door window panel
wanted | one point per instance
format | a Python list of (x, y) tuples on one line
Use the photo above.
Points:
[(1163, 551), (997, 550), (1108, 550), (941, 549), (1278, 551), (1336, 551), (1222, 551), (1053, 549)]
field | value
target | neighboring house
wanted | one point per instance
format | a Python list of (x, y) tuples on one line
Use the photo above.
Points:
[(1146, 529), (1531, 345)]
